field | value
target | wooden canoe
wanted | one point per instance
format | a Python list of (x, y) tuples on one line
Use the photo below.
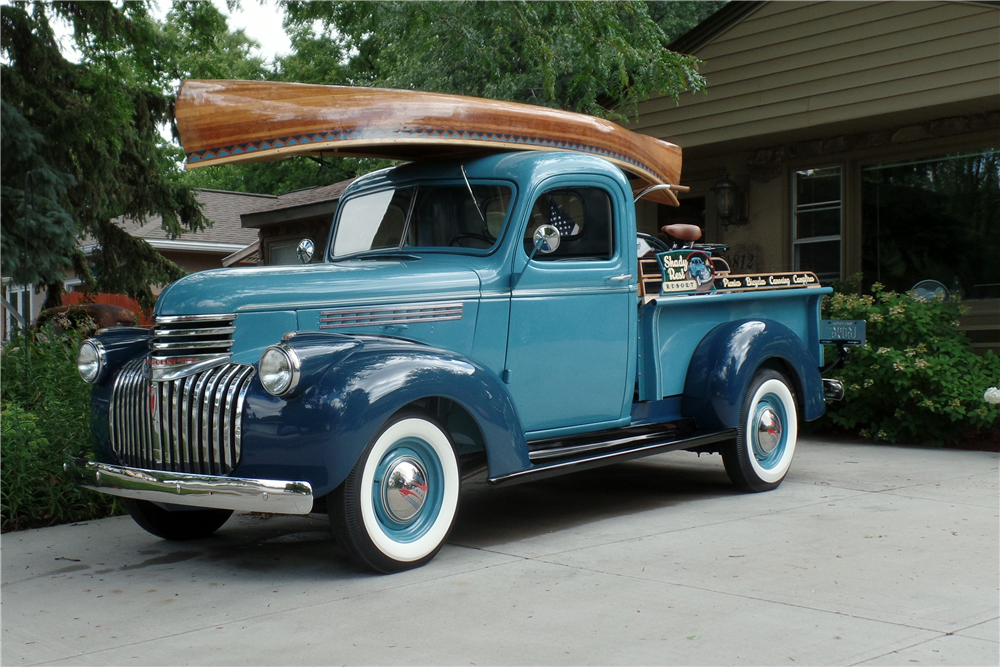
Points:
[(226, 122)]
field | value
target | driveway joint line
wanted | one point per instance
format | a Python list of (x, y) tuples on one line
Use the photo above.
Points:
[(262, 615), (746, 597), (941, 635)]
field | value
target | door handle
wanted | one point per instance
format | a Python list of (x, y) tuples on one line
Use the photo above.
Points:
[(618, 279)]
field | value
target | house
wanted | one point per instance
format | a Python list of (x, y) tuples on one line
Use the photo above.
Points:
[(845, 138), (195, 251), (283, 221)]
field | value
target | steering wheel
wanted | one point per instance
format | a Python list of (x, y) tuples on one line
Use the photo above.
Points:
[(455, 240), (658, 244)]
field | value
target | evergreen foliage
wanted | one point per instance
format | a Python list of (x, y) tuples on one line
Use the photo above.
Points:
[(83, 137)]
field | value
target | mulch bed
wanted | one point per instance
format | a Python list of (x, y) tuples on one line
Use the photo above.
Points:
[(987, 441)]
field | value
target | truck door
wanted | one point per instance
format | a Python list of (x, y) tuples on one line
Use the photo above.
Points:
[(568, 340)]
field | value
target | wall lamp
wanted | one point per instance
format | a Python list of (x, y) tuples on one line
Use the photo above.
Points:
[(730, 202)]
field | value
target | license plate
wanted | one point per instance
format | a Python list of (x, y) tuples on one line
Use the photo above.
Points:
[(846, 332)]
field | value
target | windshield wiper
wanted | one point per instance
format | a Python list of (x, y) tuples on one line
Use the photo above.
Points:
[(383, 253), (471, 193), (409, 214)]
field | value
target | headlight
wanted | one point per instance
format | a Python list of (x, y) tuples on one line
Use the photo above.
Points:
[(90, 360), (279, 369)]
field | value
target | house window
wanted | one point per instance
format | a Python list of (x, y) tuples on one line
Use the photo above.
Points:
[(18, 296), (816, 221), (283, 252), (936, 218)]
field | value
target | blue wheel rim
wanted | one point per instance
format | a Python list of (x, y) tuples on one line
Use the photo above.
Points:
[(769, 460), (416, 526)]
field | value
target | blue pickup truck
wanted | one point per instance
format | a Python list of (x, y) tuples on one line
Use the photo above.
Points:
[(489, 314)]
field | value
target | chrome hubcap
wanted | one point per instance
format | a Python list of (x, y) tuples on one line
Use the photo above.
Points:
[(768, 431), (405, 489)]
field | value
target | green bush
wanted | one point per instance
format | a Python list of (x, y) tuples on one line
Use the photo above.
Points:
[(44, 419), (917, 379)]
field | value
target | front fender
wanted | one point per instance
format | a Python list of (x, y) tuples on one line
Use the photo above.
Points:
[(319, 434), (728, 357)]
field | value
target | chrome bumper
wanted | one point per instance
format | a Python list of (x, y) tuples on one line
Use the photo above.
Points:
[(178, 488), (833, 390)]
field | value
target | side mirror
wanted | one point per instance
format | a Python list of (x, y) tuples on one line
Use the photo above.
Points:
[(305, 250), (547, 240)]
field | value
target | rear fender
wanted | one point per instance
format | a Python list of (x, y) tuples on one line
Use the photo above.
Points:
[(726, 360), (321, 432)]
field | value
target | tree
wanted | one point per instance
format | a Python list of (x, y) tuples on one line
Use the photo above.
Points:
[(200, 45), (676, 18), (599, 58), (81, 148)]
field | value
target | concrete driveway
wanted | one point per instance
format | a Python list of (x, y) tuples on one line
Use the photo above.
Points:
[(865, 555)]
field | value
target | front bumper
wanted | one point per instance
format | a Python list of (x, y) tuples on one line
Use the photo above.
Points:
[(176, 488)]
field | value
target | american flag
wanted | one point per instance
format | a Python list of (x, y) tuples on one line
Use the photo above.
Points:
[(561, 220)]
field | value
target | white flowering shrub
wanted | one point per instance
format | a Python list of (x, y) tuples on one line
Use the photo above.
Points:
[(918, 379)]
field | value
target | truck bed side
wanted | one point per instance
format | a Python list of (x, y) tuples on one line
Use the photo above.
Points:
[(671, 328)]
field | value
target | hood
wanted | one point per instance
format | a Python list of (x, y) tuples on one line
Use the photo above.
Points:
[(315, 285)]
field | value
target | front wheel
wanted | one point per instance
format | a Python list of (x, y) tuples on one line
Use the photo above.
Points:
[(766, 435), (396, 507), (180, 525)]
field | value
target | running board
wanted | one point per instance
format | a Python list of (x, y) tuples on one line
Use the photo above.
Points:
[(626, 450)]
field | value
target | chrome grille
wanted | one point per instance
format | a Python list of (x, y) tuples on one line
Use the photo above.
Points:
[(391, 314), (185, 344), (192, 424)]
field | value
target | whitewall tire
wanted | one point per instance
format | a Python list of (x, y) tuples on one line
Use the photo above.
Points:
[(397, 506), (766, 435)]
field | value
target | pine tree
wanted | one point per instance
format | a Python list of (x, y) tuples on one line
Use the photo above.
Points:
[(81, 148)]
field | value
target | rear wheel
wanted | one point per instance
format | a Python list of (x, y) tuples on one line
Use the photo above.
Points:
[(766, 435), (396, 508), (180, 525)]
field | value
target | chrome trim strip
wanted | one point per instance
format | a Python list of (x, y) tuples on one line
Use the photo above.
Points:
[(542, 470), (193, 345), (238, 433), (208, 442), (187, 450), (231, 493), (404, 313), (573, 290), (556, 452), (214, 331), (195, 418), (178, 370), (176, 437), (219, 435), (232, 425), (173, 319), (410, 298)]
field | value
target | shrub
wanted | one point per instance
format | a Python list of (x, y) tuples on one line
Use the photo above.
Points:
[(44, 419), (917, 379)]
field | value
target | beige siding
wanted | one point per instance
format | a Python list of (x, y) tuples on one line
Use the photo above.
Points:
[(795, 65)]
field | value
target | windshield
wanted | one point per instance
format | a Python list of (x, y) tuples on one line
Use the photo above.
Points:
[(423, 216)]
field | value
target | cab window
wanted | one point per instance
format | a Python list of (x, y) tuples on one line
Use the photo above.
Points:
[(584, 219)]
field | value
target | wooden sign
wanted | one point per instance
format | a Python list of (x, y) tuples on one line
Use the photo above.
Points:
[(751, 282)]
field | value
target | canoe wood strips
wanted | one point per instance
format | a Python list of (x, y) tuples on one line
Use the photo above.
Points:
[(225, 122)]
